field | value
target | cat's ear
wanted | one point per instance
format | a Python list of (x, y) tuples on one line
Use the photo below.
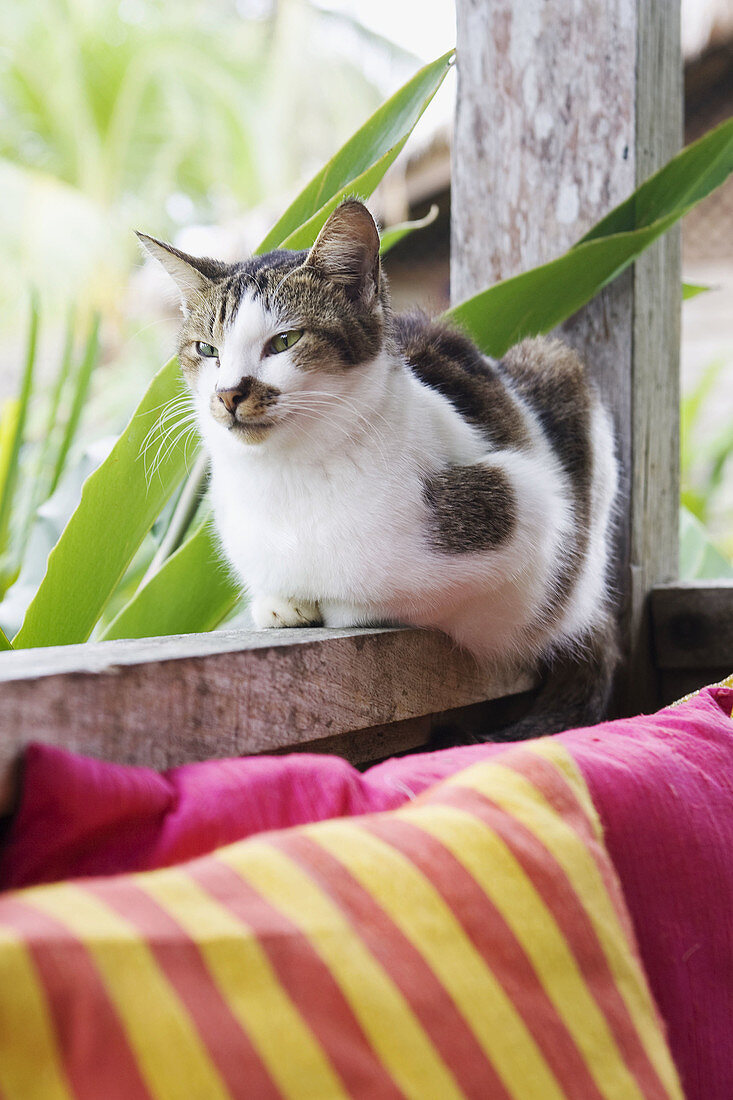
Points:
[(347, 250), (192, 275)]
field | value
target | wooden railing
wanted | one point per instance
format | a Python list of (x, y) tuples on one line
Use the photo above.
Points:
[(693, 635), (364, 694)]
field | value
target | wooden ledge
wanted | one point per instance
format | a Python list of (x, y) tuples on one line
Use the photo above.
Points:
[(693, 624), (166, 701)]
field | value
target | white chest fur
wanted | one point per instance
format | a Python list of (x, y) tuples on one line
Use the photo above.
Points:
[(338, 516)]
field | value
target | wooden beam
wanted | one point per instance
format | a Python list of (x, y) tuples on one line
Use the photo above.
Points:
[(166, 701), (563, 108), (693, 625)]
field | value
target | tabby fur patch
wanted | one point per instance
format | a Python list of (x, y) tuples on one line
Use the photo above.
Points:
[(472, 508)]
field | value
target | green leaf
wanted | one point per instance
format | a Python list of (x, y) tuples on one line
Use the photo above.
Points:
[(9, 417), (377, 142), (691, 290), (10, 460), (43, 476), (390, 237), (538, 300), (81, 389), (675, 188), (119, 503), (4, 643), (193, 591)]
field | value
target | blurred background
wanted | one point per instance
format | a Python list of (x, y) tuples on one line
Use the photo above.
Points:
[(197, 122)]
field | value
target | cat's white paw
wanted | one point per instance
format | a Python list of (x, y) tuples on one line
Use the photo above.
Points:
[(279, 611)]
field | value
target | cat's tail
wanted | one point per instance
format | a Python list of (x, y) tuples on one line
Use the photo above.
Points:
[(575, 688)]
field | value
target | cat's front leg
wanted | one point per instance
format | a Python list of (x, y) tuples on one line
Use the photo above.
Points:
[(278, 611)]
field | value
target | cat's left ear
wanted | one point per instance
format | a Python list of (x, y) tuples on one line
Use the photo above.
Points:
[(347, 250), (191, 274)]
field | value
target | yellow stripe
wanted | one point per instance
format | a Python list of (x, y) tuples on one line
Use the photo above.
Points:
[(515, 794), (245, 977), (30, 1063), (411, 901), (385, 1016), (167, 1046), (488, 860), (561, 760), (629, 978)]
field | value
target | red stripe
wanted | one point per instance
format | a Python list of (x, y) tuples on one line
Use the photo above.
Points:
[(496, 943), (550, 781), (91, 1037), (306, 979), (180, 960), (426, 996), (557, 893)]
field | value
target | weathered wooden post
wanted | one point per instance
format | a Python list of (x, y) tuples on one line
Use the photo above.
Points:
[(564, 106)]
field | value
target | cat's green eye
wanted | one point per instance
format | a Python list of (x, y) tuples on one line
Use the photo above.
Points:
[(284, 340), (206, 351)]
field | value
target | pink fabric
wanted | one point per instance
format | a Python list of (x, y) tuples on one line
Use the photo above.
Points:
[(662, 784)]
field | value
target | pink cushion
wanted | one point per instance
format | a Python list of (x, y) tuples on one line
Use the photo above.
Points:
[(662, 784)]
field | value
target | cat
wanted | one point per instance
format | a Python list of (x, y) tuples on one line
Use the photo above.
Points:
[(374, 468)]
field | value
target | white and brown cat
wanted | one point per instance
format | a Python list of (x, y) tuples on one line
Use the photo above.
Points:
[(368, 467)]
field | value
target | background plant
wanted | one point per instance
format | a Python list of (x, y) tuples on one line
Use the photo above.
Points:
[(706, 459)]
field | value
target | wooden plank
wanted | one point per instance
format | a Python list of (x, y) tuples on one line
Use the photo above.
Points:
[(654, 495), (693, 625), (165, 701), (564, 106)]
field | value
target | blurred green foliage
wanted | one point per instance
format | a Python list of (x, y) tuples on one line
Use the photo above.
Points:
[(32, 462), (706, 533), (123, 113)]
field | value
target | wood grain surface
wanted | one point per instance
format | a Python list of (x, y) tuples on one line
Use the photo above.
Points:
[(165, 701)]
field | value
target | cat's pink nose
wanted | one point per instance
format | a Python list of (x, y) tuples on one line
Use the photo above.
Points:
[(231, 398)]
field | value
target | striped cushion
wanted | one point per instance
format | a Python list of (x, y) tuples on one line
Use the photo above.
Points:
[(472, 944)]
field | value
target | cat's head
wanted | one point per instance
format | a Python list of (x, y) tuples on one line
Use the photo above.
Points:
[(275, 344)]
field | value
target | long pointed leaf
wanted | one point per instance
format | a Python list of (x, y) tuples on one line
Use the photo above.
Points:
[(380, 134), (118, 506), (691, 290), (9, 417), (11, 473), (678, 186), (193, 591), (45, 465), (81, 389), (392, 236), (538, 300), (62, 374)]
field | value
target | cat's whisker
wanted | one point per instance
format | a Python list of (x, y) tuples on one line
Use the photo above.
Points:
[(171, 409), (368, 426), (276, 292), (161, 425), (345, 430), (176, 397), (163, 454), (344, 400), (165, 444)]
